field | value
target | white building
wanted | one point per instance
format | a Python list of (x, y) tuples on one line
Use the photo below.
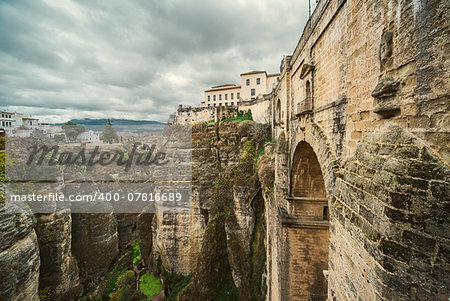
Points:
[(13, 120), (25, 121), (7, 120), (254, 84), (88, 136), (18, 125)]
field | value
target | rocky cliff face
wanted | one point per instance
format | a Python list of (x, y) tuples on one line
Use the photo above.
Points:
[(19, 255), (229, 210), (95, 244), (59, 274), (72, 255)]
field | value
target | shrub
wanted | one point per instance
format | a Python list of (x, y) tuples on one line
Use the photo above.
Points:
[(150, 285), (125, 286), (59, 138)]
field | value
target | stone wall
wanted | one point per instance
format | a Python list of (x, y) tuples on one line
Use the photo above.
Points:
[(305, 256), (192, 115), (390, 226), (261, 110), (367, 91)]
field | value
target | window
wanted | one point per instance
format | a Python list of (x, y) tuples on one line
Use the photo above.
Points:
[(232, 95), (253, 92), (209, 105), (278, 111), (232, 103), (214, 104), (325, 213), (226, 96), (226, 104), (258, 81), (220, 96), (247, 82), (209, 98), (238, 95), (214, 97), (308, 102)]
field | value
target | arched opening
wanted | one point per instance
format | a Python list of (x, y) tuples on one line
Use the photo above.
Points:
[(308, 100), (278, 113), (307, 179), (306, 230)]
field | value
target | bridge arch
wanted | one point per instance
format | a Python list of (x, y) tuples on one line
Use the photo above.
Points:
[(315, 137), (306, 179), (305, 230)]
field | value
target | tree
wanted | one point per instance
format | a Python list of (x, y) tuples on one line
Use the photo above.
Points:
[(59, 138), (72, 130), (109, 134)]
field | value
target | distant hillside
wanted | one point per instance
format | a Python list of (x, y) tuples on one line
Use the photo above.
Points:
[(89, 121), (121, 125)]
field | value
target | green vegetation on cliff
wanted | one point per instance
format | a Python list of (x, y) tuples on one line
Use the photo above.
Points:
[(239, 116), (227, 257), (179, 286), (125, 287), (121, 279), (258, 251), (136, 253), (150, 285), (173, 283)]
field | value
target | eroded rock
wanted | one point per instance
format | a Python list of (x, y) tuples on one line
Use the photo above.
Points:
[(19, 254)]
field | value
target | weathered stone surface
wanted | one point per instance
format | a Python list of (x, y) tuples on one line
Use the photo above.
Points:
[(387, 186), (94, 244), (386, 48), (19, 255), (177, 238), (145, 237), (214, 261), (385, 92), (59, 275), (218, 234), (404, 237), (126, 228), (239, 229)]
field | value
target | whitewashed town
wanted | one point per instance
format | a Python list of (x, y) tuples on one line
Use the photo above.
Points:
[(15, 124)]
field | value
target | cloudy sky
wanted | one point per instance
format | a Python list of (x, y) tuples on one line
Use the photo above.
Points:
[(63, 59)]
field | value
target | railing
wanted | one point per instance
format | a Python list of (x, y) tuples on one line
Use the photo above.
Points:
[(304, 106), (316, 297)]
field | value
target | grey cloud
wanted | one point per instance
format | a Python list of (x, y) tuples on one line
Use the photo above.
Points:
[(63, 59)]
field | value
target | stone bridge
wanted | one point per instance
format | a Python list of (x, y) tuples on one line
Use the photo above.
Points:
[(361, 116)]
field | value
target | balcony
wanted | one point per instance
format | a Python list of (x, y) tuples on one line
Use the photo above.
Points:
[(317, 297), (304, 107), (307, 211)]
